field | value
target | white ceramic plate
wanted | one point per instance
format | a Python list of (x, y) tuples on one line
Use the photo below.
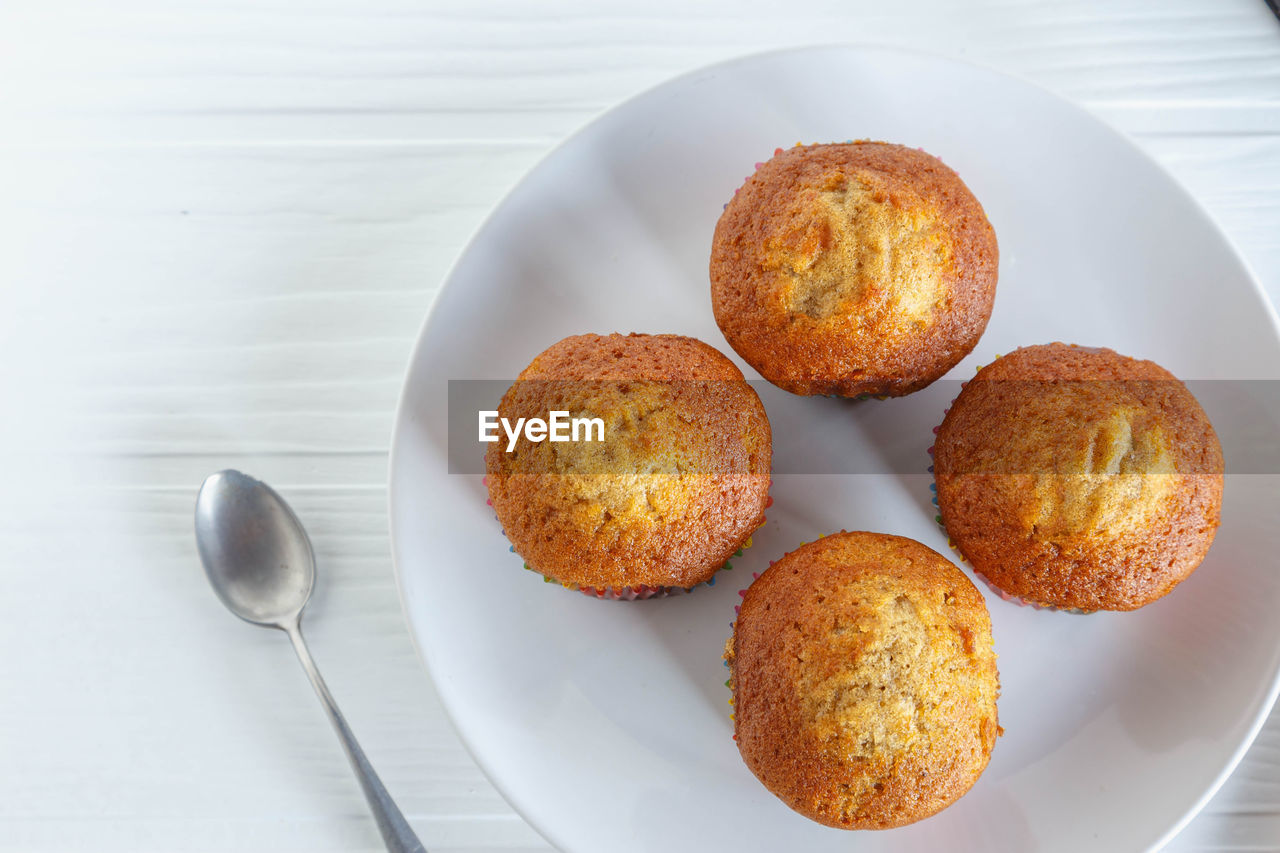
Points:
[(606, 724)]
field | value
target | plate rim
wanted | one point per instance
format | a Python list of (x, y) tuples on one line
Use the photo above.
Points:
[(453, 715)]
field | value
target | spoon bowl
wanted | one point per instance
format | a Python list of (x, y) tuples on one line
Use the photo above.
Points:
[(254, 549)]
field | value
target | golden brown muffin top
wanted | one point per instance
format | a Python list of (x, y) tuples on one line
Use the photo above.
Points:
[(853, 268), (678, 484), (1079, 477), (864, 681)]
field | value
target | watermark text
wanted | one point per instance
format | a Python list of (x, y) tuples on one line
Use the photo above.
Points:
[(558, 426)]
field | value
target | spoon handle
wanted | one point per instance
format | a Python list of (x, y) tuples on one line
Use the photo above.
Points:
[(396, 832)]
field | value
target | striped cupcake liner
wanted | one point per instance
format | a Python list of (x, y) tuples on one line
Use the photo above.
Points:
[(642, 592), (733, 625), (951, 543)]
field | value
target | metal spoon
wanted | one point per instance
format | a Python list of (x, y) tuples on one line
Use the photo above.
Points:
[(259, 560)]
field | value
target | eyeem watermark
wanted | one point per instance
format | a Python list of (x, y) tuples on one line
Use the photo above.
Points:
[(815, 435), (557, 427)]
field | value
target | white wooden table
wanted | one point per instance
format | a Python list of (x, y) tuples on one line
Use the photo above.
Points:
[(220, 226)]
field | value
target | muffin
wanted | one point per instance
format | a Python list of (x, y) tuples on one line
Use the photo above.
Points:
[(864, 681), (677, 484), (856, 268), (1079, 478)]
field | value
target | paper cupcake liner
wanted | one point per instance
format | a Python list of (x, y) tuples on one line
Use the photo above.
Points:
[(951, 543), (728, 682), (642, 592)]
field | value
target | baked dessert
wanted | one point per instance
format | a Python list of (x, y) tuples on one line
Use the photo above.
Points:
[(1079, 478), (675, 484), (854, 268), (864, 681)]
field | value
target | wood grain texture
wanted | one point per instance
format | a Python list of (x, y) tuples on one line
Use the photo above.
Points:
[(463, 70), (220, 227)]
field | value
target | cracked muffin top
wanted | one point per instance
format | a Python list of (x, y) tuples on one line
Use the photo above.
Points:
[(854, 268), (1079, 478), (677, 485), (864, 681)]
